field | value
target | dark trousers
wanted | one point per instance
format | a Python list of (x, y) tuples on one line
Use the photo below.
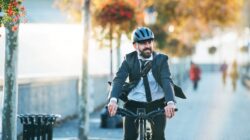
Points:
[(131, 128), (195, 84)]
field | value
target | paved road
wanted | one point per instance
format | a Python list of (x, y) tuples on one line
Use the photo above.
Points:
[(213, 112)]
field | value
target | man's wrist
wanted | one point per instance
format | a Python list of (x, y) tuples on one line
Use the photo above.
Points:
[(170, 103), (113, 99)]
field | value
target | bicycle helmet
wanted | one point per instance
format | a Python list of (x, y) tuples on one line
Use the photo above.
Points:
[(141, 34)]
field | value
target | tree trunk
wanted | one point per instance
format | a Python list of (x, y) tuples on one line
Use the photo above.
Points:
[(118, 52), (111, 51), (9, 114), (83, 97), (248, 43)]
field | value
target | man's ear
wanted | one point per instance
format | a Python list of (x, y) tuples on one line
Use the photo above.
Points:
[(134, 45)]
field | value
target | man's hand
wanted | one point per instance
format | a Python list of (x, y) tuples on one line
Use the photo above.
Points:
[(169, 110), (112, 107)]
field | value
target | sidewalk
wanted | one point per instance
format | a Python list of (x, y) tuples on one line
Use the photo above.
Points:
[(211, 112), (69, 130), (246, 82)]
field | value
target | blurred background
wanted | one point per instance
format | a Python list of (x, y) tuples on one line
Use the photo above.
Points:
[(212, 36)]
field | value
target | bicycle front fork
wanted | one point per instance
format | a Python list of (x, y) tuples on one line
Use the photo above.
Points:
[(148, 134), (145, 129)]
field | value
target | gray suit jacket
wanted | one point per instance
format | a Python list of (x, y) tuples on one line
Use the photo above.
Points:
[(131, 68)]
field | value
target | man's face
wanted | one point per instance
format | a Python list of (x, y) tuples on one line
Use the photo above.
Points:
[(145, 48)]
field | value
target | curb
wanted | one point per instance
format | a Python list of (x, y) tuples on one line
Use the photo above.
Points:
[(91, 138)]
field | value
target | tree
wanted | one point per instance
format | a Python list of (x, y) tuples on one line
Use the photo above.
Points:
[(83, 100), (117, 17), (72, 7), (12, 13), (124, 23), (194, 19), (10, 85)]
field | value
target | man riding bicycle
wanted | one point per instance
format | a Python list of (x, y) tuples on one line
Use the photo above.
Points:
[(151, 91)]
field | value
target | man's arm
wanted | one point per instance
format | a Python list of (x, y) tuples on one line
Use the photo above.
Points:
[(168, 88), (119, 80), (116, 87), (166, 81)]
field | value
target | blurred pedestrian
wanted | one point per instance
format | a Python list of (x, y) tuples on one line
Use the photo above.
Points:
[(195, 75), (234, 74), (223, 70)]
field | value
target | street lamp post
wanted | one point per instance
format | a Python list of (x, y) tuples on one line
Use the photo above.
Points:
[(1, 14), (150, 15)]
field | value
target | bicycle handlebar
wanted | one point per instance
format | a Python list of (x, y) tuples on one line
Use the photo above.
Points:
[(124, 112)]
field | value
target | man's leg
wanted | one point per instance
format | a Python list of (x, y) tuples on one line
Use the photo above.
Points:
[(195, 84), (130, 129), (159, 127)]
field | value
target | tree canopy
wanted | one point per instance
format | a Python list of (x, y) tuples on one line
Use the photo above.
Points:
[(189, 20), (193, 19), (12, 12)]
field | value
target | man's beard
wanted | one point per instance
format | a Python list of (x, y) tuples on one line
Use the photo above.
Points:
[(146, 53)]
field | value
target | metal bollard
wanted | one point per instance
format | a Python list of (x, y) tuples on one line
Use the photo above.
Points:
[(39, 127)]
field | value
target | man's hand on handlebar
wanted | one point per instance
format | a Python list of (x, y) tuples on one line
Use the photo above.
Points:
[(170, 110), (112, 107)]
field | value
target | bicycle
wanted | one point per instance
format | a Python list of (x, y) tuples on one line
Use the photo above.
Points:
[(144, 119)]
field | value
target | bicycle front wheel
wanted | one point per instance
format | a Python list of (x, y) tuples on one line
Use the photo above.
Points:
[(142, 129)]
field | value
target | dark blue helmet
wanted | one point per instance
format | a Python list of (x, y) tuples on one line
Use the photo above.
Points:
[(141, 34)]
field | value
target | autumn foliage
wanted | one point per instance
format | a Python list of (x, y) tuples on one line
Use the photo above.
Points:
[(115, 12), (191, 19), (13, 12)]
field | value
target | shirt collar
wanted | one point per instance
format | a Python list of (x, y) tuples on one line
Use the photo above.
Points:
[(142, 58)]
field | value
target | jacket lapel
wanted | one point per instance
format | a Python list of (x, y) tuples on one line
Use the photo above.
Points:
[(137, 67), (154, 67)]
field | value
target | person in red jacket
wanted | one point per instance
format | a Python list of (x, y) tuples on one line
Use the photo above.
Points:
[(194, 74)]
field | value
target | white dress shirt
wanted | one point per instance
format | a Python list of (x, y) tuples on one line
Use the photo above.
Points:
[(138, 93)]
